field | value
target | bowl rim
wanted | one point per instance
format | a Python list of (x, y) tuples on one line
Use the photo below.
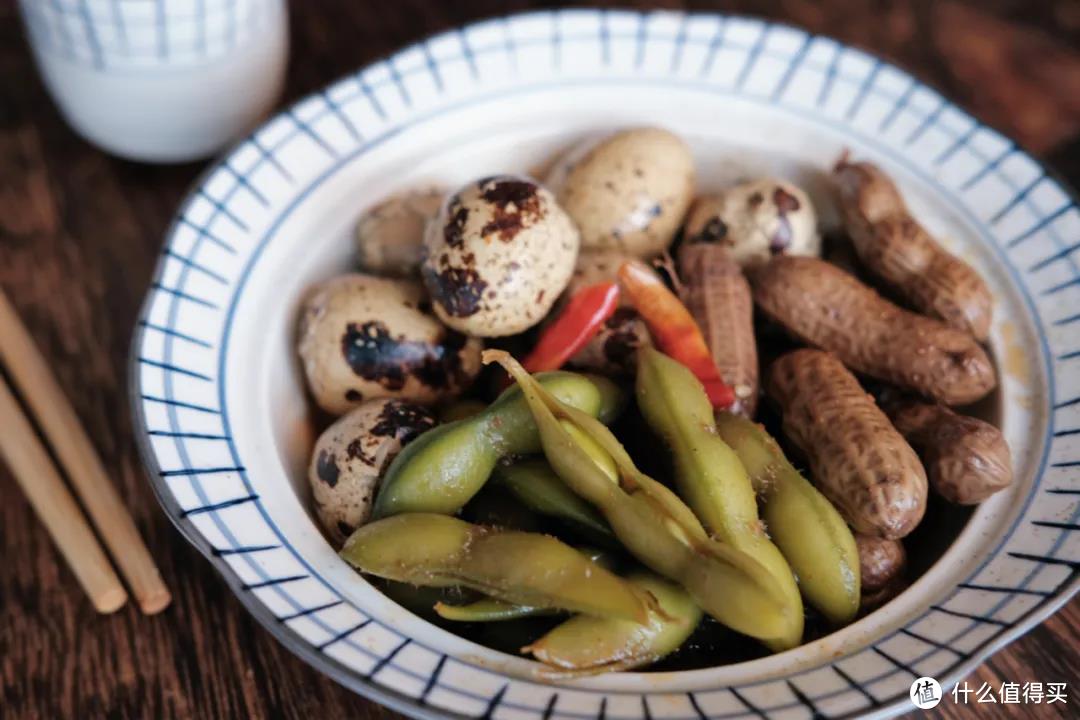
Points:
[(402, 702)]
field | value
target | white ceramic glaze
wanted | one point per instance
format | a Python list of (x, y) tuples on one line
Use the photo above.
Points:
[(221, 410), (157, 80)]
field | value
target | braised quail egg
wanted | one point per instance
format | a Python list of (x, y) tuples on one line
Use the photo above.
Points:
[(628, 191), (756, 220), (390, 236), (351, 455), (364, 337), (497, 256)]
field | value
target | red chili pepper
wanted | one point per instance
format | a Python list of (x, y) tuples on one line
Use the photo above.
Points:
[(577, 324), (673, 328)]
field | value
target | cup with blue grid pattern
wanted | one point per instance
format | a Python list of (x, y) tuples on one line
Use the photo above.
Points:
[(160, 80)]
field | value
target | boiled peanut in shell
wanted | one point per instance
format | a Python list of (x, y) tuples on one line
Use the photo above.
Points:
[(825, 307), (880, 561), (717, 294), (966, 459), (857, 458), (899, 251)]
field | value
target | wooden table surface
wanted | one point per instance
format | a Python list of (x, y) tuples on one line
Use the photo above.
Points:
[(80, 233)]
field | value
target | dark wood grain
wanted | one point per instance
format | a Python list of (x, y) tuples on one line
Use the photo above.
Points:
[(79, 235)]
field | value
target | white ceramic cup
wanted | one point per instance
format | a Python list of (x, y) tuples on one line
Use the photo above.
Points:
[(160, 80)]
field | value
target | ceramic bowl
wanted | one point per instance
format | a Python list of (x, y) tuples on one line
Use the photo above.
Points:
[(223, 418)]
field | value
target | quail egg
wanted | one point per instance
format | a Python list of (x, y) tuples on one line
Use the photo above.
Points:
[(390, 236), (628, 191), (756, 220), (364, 337), (351, 455), (497, 256)]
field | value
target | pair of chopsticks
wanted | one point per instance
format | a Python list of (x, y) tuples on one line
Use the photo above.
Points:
[(52, 501)]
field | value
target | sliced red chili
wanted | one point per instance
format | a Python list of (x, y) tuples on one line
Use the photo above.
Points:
[(673, 329), (576, 325)]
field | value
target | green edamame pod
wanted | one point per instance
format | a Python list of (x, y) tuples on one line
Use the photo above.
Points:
[(708, 473), (537, 486), (612, 398), (490, 610), (805, 526), (600, 457), (652, 522), (594, 645), (444, 467), (519, 568)]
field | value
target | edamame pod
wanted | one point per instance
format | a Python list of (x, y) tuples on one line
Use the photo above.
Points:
[(805, 526), (612, 398), (708, 473), (594, 645), (446, 466), (652, 522), (520, 568), (490, 610), (536, 485)]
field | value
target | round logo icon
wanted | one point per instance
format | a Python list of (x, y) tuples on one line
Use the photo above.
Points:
[(925, 693)]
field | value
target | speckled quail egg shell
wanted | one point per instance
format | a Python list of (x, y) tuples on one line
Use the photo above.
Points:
[(390, 236), (351, 455), (498, 255), (757, 220), (364, 337), (628, 191)]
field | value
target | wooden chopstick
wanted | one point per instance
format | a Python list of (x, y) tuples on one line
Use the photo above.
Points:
[(48, 495), (58, 421)]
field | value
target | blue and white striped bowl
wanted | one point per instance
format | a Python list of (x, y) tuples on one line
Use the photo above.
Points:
[(160, 80), (223, 418)]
